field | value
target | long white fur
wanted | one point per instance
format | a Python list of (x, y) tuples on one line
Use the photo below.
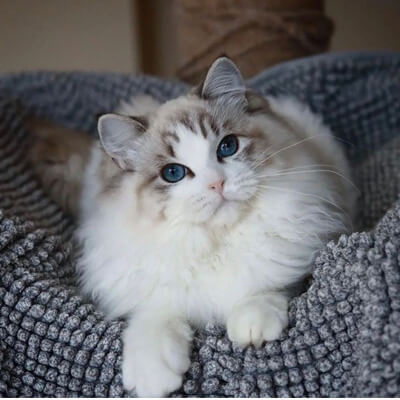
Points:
[(163, 276)]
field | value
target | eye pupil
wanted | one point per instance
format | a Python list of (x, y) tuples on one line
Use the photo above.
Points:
[(172, 173), (228, 146)]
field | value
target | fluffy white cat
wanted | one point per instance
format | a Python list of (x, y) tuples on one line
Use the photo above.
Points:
[(205, 208)]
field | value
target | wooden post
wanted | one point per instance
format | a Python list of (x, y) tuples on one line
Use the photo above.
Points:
[(254, 33)]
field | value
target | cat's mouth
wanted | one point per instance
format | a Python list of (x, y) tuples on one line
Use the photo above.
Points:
[(220, 205), (226, 203)]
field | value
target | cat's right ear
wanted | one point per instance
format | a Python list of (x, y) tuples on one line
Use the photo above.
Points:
[(119, 136), (223, 84)]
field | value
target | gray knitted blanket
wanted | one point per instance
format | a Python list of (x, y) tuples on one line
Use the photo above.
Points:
[(344, 332)]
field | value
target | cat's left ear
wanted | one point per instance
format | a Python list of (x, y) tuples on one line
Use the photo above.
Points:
[(120, 137), (224, 82)]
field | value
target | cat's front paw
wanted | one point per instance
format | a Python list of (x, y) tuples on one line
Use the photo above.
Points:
[(154, 364), (256, 321), (152, 376)]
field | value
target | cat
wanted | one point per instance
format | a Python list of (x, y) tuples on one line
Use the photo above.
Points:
[(204, 208)]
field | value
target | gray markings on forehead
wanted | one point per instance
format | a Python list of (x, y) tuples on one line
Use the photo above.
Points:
[(202, 122), (186, 120), (170, 135), (169, 139), (197, 121), (214, 126), (207, 124), (171, 151), (228, 126), (162, 159)]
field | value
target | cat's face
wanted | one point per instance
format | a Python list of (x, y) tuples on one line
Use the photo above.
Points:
[(199, 156), (204, 167)]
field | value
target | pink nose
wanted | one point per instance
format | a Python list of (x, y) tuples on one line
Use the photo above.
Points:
[(218, 186)]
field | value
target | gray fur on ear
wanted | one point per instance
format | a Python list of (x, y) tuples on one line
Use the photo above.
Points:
[(223, 79), (119, 136), (256, 104)]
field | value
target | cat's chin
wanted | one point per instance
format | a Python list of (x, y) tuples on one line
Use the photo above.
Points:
[(222, 214), (227, 213)]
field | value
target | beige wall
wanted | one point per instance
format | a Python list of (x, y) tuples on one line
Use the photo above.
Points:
[(103, 35), (365, 24), (91, 35), (359, 25)]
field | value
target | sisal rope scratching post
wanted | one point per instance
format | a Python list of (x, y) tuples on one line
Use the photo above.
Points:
[(254, 33)]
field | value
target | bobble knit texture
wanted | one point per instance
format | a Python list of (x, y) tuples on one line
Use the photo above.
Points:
[(343, 335)]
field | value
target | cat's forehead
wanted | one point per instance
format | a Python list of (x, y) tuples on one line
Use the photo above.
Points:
[(184, 111), (187, 129), (183, 122)]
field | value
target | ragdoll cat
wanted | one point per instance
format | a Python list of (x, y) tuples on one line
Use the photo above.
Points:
[(204, 208)]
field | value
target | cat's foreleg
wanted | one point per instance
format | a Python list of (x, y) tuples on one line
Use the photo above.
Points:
[(257, 319), (156, 353)]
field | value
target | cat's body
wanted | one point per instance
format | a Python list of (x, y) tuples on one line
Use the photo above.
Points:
[(223, 242)]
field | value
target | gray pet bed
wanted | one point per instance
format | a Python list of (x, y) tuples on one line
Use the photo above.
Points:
[(344, 332)]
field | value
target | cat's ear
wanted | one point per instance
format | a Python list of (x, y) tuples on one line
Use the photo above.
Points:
[(223, 79), (119, 136)]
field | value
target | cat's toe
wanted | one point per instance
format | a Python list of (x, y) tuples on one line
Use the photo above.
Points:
[(273, 327), (154, 365), (159, 382), (149, 375), (255, 324), (175, 346), (245, 329), (128, 374), (176, 357)]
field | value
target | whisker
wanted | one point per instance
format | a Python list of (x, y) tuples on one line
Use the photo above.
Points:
[(343, 140), (310, 195), (305, 166), (292, 145), (295, 144), (256, 163), (296, 172)]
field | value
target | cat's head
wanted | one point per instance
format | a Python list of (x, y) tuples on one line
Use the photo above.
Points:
[(199, 155)]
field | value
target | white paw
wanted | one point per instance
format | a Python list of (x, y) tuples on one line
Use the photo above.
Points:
[(257, 321), (154, 360)]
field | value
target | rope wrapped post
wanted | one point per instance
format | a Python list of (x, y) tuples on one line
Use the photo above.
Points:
[(254, 33)]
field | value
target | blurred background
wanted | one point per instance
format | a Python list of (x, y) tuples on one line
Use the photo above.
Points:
[(178, 37)]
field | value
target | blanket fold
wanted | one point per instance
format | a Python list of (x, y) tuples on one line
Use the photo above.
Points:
[(344, 333)]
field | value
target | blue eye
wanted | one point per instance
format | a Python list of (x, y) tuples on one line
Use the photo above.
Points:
[(228, 146), (173, 172)]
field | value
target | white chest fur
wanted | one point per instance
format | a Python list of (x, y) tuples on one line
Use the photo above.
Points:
[(199, 273)]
